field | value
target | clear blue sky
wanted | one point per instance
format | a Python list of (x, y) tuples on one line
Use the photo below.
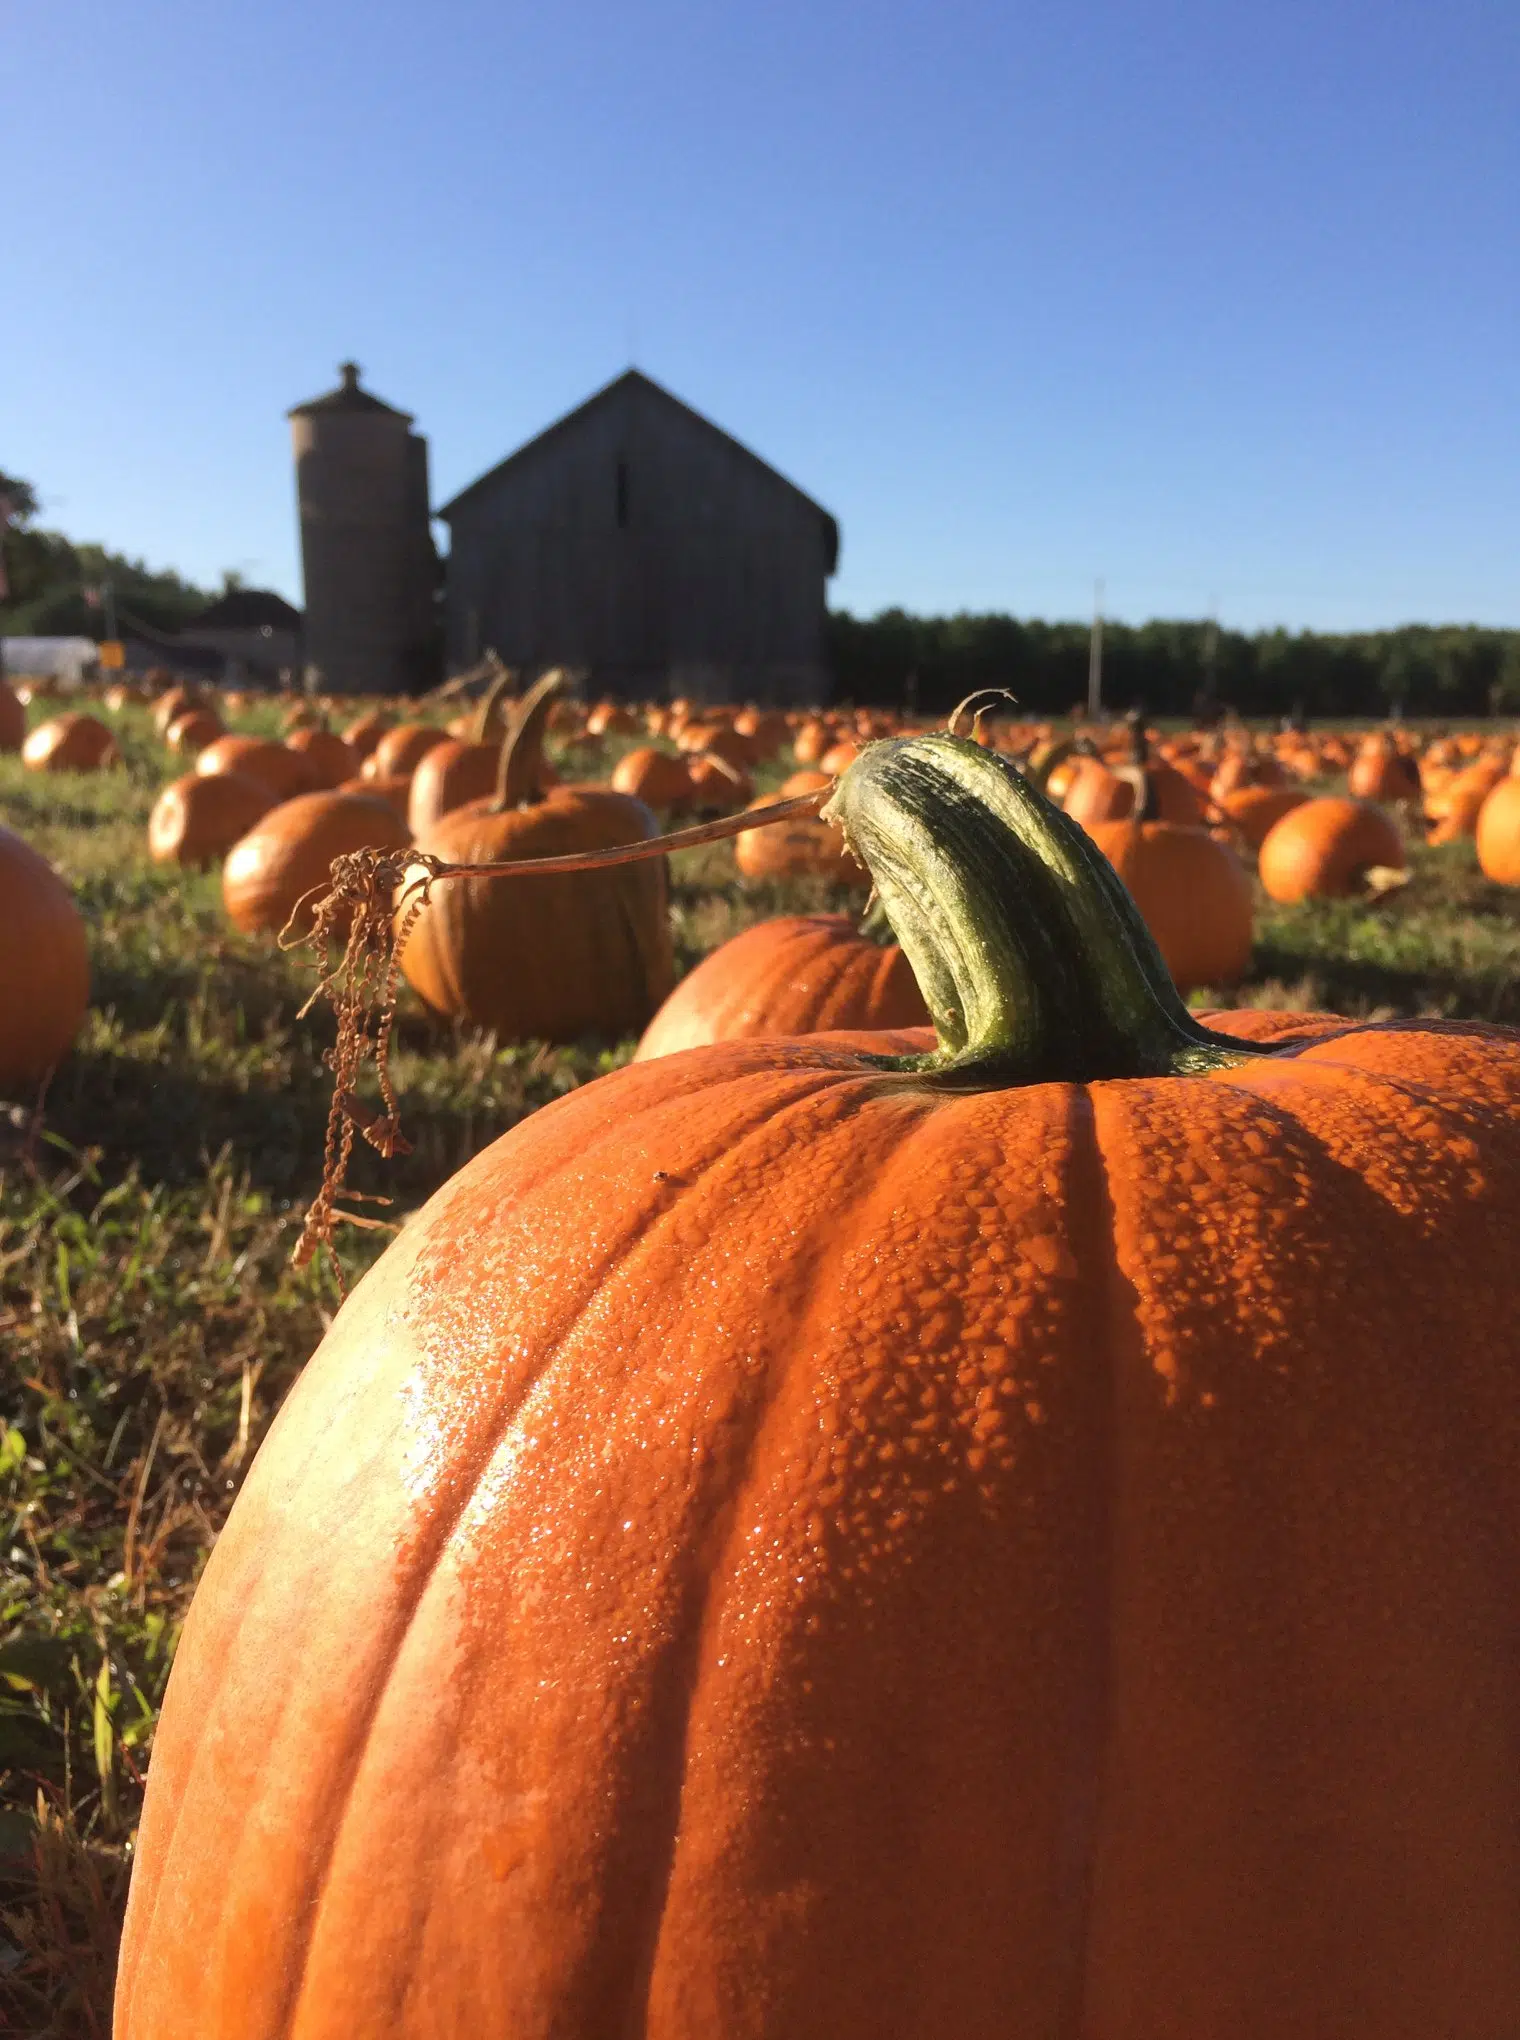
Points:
[(1220, 302)]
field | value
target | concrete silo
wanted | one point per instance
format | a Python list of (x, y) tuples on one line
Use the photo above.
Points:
[(367, 555)]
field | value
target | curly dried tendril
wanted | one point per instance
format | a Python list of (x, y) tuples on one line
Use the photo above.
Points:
[(370, 907)]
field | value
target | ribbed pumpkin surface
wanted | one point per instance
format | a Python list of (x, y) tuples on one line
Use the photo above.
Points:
[(783, 1551)]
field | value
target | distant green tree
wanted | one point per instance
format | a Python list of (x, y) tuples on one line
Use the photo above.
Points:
[(55, 585)]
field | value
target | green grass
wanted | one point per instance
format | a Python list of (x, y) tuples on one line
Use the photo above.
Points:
[(151, 1321)]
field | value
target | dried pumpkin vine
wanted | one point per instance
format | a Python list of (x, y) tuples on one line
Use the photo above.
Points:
[(359, 928)]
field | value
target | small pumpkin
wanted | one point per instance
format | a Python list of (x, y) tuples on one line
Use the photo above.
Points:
[(1383, 770), (1193, 894), (1327, 848), (364, 733), (796, 974), (402, 749), (660, 781), (283, 771), (44, 966), (328, 758), (548, 957), (463, 769), (1498, 833), (198, 817), (802, 847), (193, 731), (285, 860), (70, 743)]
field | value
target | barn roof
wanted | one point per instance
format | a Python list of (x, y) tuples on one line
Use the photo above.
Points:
[(347, 397), (247, 609), (633, 378)]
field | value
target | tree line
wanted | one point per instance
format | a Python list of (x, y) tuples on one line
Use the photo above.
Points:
[(1175, 669)]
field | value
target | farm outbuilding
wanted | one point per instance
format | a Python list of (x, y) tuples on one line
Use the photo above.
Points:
[(636, 540)]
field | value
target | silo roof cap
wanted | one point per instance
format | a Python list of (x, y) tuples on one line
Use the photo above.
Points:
[(348, 397)]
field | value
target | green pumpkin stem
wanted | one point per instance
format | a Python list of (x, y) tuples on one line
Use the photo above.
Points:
[(1031, 956), (522, 752)]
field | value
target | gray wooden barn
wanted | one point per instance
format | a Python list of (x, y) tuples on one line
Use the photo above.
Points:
[(638, 541)]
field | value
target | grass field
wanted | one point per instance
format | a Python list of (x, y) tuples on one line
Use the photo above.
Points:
[(150, 1321)]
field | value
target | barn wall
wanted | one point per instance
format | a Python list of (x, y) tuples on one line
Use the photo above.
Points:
[(714, 585)]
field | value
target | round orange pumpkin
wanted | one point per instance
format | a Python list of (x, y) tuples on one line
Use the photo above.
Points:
[(660, 781), (70, 743), (285, 860), (464, 769), (548, 957), (283, 771), (797, 974), (326, 756), (1498, 833), (193, 731), (802, 1546), (44, 967), (198, 817), (802, 847), (1193, 893), (401, 750), (1324, 849)]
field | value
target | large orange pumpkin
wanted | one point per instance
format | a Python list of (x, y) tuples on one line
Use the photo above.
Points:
[(791, 1546), (1498, 832), (797, 974), (44, 966), (551, 957), (464, 768), (283, 771)]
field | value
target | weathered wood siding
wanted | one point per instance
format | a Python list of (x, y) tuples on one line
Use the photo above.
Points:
[(635, 540)]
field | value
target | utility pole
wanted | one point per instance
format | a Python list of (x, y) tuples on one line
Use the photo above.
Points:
[(1095, 658)]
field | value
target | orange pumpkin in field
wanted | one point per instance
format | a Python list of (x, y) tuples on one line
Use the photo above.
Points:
[(44, 967), (283, 771), (285, 860), (793, 1543), (70, 743), (1498, 833), (326, 756), (193, 731), (660, 781), (197, 818), (1325, 849), (554, 956), (1253, 811), (401, 750), (798, 974), (801, 847), (1193, 893), (464, 769)]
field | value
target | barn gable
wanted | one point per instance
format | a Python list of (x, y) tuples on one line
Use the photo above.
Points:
[(638, 540)]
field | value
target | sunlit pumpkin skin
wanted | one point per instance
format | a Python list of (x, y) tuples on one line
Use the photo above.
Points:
[(1324, 849), (797, 974), (286, 858), (1193, 892), (401, 750), (193, 731), (12, 719), (546, 958), (70, 743), (328, 758), (1251, 812), (283, 771), (787, 1549), (170, 706), (395, 792), (362, 735), (1381, 771), (44, 967), (718, 787), (197, 818), (654, 777), (1498, 833), (802, 847)]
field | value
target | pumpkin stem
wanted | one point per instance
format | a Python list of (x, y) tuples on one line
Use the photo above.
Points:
[(1033, 959), (489, 716), (522, 750)]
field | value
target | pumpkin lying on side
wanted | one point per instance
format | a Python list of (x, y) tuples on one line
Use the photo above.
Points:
[(797, 974), (791, 1544), (44, 966), (70, 743), (198, 817)]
